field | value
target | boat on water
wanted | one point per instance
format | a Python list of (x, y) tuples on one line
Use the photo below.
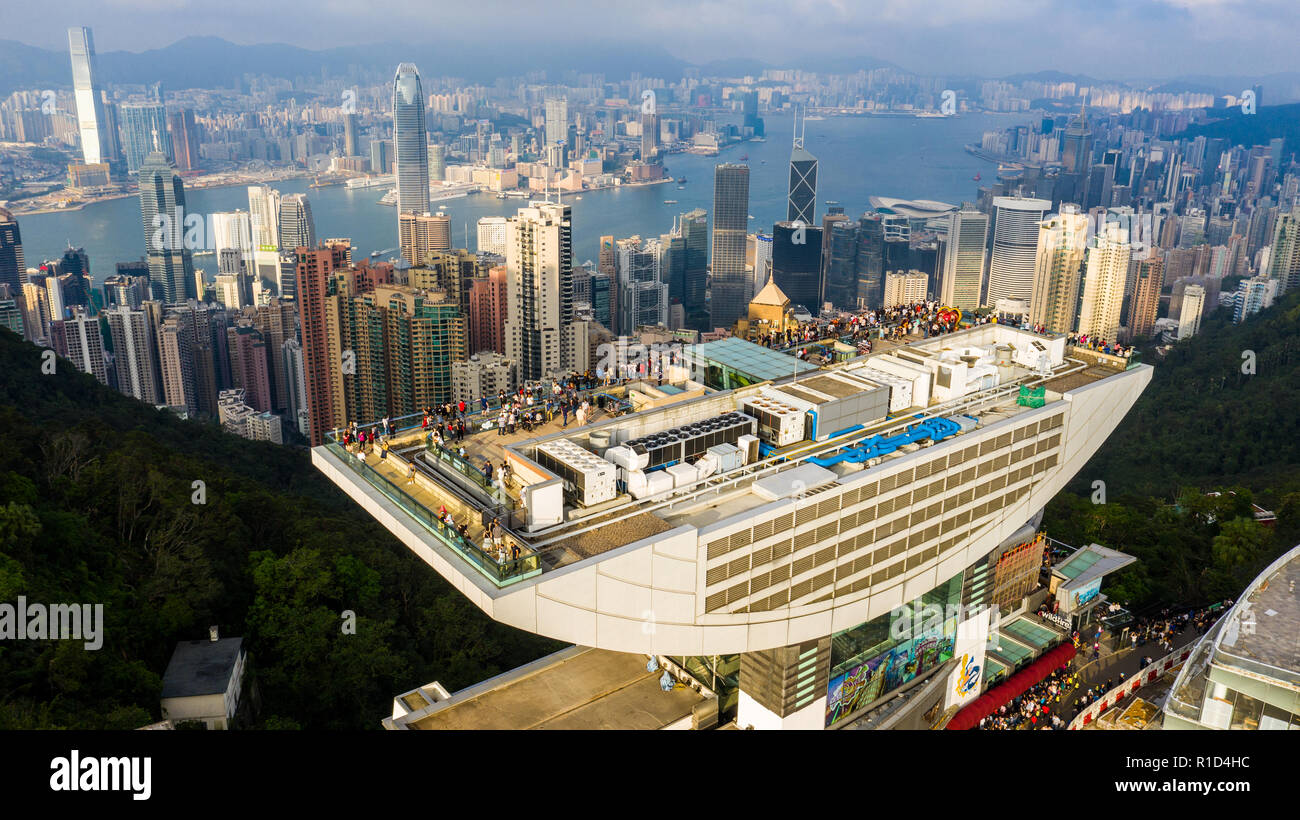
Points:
[(681, 180), (681, 187), (374, 254), (670, 202), (577, 197)]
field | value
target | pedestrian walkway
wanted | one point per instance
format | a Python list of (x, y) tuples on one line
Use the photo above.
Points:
[(1120, 660)]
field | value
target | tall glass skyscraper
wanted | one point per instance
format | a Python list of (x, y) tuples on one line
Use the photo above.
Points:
[(144, 127), (410, 142), (963, 258), (694, 228), (797, 263), (297, 228), (1015, 247), (802, 204), (13, 271), (162, 214), (731, 287), (96, 141)]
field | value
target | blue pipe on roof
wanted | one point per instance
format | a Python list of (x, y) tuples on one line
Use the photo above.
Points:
[(937, 429)]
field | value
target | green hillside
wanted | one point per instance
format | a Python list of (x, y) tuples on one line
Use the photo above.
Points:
[(1202, 425), (96, 507)]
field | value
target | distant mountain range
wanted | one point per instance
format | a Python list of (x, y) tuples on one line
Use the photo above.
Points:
[(211, 62)]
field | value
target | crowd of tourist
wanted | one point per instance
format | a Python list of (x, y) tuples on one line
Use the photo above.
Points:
[(1087, 342), (923, 319), (1164, 629), (1039, 707)]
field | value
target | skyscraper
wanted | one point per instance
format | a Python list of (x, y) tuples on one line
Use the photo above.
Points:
[(96, 140), (1189, 317), (1149, 281), (1252, 296), (1015, 247), (404, 341), (422, 234), (1284, 259), (1103, 288), (184, 139), (135, 353), (731, 287), (144, 128), (539, 310), (264, 219), (797, 263), (319, 305), (437, 162), (349, 135), (1062, 242), (78, 339), (492, 235), (557, 121), (964, 255), (643, 294), (694, 230), (488, 306), (410, 141), (802, 201), (162, 215), (297, 228), (381, 156), (649, 137), (13, 270)]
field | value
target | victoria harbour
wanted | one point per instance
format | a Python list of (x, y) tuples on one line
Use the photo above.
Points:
[(907, 157)]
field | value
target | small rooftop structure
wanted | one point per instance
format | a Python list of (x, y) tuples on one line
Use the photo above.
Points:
[(1089, 564), (203, 681), (734, 362)]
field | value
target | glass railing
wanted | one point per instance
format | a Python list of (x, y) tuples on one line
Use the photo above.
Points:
[(500, 572), (451, 460)]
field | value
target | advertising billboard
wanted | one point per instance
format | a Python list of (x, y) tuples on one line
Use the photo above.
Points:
[(867, 680)]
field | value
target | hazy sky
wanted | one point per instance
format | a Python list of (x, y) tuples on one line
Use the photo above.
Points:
[(1103, 38)]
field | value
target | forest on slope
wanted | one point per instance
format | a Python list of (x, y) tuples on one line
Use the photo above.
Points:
[(1221, 414), (96, 507)]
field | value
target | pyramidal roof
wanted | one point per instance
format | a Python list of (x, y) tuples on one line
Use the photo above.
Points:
[(771, 295)]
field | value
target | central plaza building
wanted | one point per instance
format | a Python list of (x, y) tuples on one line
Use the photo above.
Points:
[(763, 542)]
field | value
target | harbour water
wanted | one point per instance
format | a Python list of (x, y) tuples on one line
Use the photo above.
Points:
[(859, 157)]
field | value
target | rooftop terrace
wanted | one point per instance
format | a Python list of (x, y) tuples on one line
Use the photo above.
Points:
[(577, 688), (422, 478)]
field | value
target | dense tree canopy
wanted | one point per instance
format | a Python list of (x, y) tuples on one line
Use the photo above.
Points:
[(1219, 415), (96, 506)]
